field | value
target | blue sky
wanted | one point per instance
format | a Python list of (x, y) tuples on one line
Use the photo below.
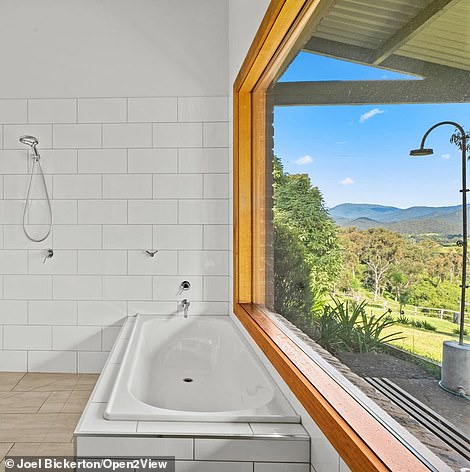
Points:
[(359, 154)]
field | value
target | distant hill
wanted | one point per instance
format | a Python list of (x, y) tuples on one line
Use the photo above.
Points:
[(364, 223), (351, 211), (414, 220)]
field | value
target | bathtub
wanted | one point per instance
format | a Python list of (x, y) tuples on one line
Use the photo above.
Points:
[(198, 368)]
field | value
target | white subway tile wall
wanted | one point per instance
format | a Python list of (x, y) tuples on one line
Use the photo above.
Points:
[(125, 175)]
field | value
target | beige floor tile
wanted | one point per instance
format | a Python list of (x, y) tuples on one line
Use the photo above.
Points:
[(9, 379), (22, 402), (47, 382), (55, 402), (62, 427), (86, 382), (24, 449), (24, 428), (55, 449), (4, 448), (39, 411), (76, 401)]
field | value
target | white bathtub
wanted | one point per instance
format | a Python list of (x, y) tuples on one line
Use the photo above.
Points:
[(194, 369)]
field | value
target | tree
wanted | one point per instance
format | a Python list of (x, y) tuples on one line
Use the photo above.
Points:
[(407, 269), (456, 139), (300, 206), (398, 281), (351, 241), (292, 295), (381, 250)]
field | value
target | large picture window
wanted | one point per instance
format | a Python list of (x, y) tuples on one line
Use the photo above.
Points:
[(289, 251)]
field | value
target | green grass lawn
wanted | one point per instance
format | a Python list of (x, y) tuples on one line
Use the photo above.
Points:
[(423, 342)]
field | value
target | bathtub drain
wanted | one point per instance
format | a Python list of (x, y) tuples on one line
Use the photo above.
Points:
[(187, 379)]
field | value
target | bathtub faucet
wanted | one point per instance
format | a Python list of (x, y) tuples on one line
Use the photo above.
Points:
[(185, 305)]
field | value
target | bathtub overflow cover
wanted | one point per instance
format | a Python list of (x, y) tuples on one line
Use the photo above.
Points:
[(187, 379)]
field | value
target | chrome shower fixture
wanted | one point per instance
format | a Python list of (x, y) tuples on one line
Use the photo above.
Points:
[(31, 141)]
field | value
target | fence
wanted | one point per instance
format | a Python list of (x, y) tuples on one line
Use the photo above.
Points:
[(441, 313)]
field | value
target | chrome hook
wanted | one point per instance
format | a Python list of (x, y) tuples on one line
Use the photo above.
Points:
[(49, 255), (151, 253)]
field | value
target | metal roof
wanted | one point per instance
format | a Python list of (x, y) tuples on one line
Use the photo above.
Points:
[(433, 31), (367, 23), (426, 38), (446, 41)]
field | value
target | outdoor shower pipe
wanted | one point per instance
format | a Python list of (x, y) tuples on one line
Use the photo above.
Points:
[(422, 151)]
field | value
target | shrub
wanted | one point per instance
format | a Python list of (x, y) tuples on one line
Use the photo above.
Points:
[(327, 331), (416, 324), (428, 326), (423, 325), (345, 326), (403, 319), (457, 331)]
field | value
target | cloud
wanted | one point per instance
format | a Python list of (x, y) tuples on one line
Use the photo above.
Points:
[(368, 115), (347, 181), (303, 161), (446, 157)]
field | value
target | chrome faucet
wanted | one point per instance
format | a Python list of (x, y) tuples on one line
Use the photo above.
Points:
[(185, 305)]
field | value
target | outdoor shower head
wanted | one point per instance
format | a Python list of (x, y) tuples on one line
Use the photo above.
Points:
[(421, 152), (31, 141)]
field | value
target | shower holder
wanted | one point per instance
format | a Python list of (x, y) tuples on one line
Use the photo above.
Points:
[(49, 255)]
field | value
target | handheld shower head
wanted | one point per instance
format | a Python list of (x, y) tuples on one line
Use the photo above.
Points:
[(31, 141)]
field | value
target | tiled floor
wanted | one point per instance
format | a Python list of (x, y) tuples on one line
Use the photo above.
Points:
[(39, 412)]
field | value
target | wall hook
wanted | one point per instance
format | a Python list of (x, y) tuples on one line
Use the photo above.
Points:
[(49, 255), (151, 253)]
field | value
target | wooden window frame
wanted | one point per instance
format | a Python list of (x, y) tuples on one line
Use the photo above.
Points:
[(362, 442)]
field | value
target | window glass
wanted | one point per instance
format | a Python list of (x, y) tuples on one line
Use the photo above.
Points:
[(365, 241)]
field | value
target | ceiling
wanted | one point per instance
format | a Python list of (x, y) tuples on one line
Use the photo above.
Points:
[(386, 33)]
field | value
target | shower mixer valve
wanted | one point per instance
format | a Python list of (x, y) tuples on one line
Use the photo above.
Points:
[(184, 285)]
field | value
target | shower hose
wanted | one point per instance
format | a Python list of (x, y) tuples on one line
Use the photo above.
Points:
[(28, 201)]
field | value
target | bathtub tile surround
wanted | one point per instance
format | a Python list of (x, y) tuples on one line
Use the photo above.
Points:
[(197, 446), (125, 175)]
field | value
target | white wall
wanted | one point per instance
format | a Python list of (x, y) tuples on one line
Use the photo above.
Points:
[(113, 48), (245, 17), (126, 174)]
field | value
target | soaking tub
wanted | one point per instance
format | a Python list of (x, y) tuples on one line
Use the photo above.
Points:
[(198, 368)]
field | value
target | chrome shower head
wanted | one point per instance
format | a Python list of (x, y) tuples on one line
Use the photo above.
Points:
[(31, 141)]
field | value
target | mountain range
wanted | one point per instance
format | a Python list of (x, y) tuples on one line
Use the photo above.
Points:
[(414, 220)]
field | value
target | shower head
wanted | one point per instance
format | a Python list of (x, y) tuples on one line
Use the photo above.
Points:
[(31, 141), (421, 152)]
